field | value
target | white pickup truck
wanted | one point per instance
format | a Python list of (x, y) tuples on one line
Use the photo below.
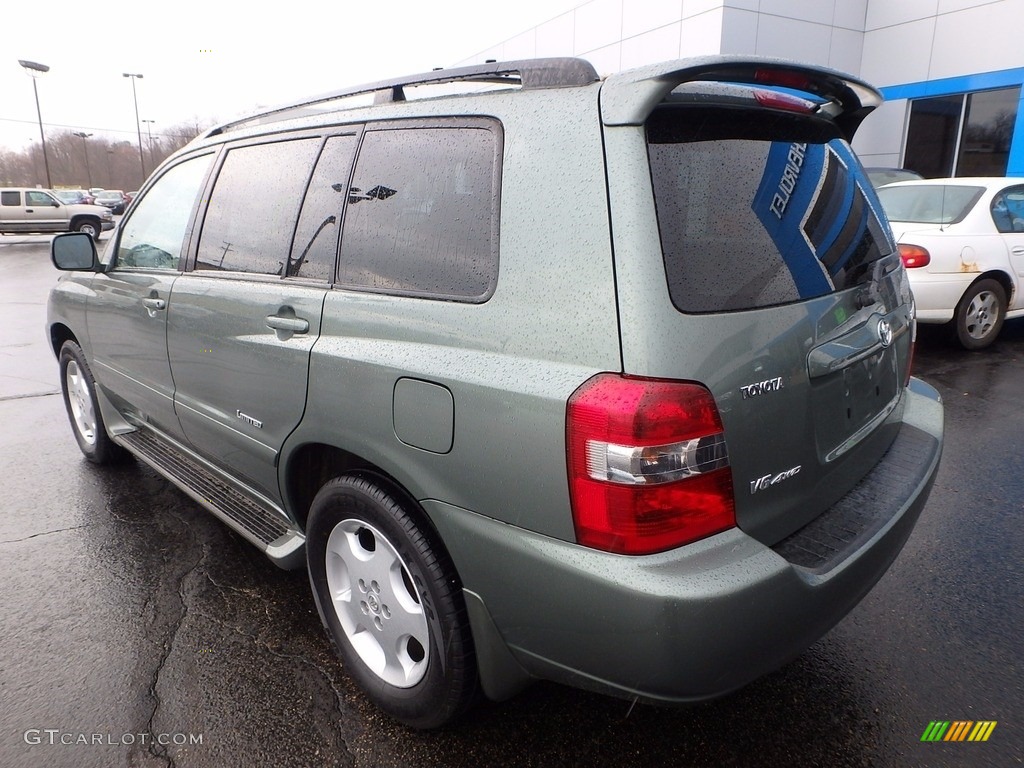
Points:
[(26, 210)]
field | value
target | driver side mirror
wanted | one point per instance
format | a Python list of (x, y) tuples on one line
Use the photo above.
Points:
[(74, 252)]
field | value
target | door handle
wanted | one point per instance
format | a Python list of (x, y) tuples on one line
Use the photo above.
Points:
[(854, 346), (153, 303), (1018, 250), (290, 324)]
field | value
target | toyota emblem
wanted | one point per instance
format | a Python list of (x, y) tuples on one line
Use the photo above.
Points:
[(884, 333)]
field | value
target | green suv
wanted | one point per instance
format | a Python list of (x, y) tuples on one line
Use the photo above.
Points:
[(541, 376)]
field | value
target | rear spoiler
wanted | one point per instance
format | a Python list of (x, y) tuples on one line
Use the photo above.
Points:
[(628, 98)]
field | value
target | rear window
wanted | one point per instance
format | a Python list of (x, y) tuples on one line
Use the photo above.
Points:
[(759, 208), (929, 203)]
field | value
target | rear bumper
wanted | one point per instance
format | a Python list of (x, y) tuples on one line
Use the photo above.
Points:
[(936, 295), (690, 624)]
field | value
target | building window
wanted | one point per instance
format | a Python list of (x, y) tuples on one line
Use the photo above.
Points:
[(962, 135), (988, 130)]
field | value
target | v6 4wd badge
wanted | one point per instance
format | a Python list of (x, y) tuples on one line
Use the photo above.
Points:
[(768, 481)]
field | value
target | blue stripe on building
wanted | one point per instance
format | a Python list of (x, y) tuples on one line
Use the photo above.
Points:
[(983, 81)]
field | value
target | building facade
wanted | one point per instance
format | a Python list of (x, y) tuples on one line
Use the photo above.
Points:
[(951, 70)]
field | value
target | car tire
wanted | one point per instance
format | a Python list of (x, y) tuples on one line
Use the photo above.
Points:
[(89, 227), (79, 389), (980, 314), (391, 601)]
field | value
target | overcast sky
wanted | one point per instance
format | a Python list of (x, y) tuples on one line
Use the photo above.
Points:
[(212, 60)]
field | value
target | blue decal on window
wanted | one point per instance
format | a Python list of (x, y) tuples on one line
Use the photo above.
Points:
[(820, 211), (783, 197)]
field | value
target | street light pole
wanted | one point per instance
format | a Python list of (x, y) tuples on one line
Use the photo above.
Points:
[(34, 69), (138, 126), (85, 146)]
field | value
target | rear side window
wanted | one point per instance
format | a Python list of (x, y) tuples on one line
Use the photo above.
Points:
[(255, 202), (1008, 210), (422, 213), (10, 198), (316, 238), (758, 208)]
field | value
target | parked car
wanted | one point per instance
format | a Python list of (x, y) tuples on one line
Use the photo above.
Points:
[(962, 242), (27, 210), (114, 199), (598, 381), (879, 177), (74, 196)]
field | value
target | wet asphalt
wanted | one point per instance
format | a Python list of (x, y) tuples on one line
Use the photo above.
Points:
[(137, 630)]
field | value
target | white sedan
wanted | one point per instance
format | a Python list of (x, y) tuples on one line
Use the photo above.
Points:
[(962, 242)]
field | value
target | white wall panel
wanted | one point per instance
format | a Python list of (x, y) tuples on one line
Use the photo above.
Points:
[(850, 14), (739, 31), (818, 11), (640, 16), (598, 24), (791, 39), (947, 6), (522, 46), (846, 50), (657, 45), (887, 13), (743, 5), (607, 60), (982, 39), (700, 7), (701, 35), (898, 54), (557, 37)]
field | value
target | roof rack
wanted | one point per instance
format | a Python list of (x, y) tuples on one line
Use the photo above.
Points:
[(525, 73)]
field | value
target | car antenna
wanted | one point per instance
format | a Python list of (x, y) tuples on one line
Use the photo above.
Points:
[(942, 210)]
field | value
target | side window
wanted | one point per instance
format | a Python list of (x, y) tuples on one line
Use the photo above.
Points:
[(316, 238), (251, 216), (1008, 210), (422, 213), (10, 197), (153, 236), (38, 198)]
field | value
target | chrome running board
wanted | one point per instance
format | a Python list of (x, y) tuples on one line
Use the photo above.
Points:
[(259, 523)]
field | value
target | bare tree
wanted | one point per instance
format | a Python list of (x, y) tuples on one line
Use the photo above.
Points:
[(111, 163)]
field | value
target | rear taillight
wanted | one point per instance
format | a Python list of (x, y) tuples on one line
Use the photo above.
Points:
[(914, 256), (648, 464), (784, 78), (780, 100)]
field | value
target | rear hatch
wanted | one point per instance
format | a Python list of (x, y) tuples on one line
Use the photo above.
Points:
[(765, 271)]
